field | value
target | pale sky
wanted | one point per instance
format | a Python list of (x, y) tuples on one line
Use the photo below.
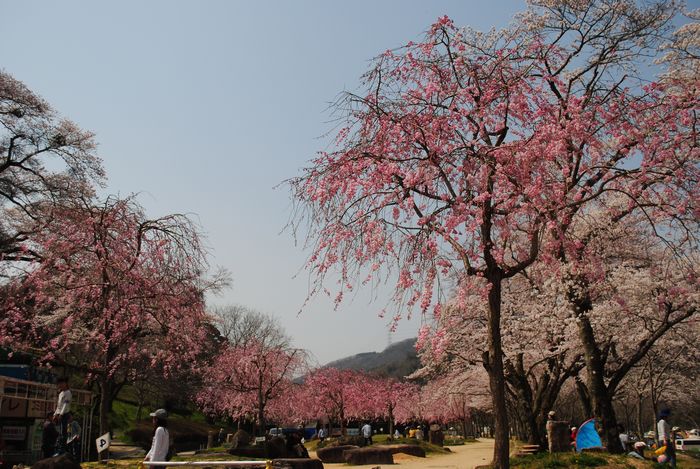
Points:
[(204, 107)]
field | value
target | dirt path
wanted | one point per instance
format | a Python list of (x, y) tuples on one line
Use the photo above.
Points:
[(462, 457)]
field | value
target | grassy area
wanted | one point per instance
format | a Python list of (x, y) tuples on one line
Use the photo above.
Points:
[(189, 429), (123, 463), (546, 461), (603, 460)]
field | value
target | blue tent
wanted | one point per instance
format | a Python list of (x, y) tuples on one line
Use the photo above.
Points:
[(587, 436)]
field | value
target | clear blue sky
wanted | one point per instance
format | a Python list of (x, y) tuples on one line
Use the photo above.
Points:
[(205, 106)]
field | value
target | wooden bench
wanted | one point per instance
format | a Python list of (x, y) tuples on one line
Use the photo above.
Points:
[(528, 449)]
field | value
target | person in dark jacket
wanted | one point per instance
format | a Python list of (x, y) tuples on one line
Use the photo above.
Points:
[(49, 435)]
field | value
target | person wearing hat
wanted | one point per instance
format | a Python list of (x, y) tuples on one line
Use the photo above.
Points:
[(161, 437), (664, 435), (638, 452)]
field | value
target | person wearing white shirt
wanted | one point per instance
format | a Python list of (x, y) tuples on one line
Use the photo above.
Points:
[(367, 433), (60, 415), (161, 437), (664, 436)]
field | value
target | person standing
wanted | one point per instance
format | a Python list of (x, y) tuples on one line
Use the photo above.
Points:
[(322, 433), (664, 436), (49, 435), (161, 437), (367, 433), (60, 415), (73, 438)]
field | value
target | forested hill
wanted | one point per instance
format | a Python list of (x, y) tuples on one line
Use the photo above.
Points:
[(397, 360)]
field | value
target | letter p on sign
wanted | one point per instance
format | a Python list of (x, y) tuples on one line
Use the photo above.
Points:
[(103, 442)]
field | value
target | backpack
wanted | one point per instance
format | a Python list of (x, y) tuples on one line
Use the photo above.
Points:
[(171, 448)]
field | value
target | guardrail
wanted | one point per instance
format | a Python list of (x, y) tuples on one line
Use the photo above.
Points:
[(265, 464)]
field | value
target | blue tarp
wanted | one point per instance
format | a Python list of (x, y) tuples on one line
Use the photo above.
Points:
[(587, 436)]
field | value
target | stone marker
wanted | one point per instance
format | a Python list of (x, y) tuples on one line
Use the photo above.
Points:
[(558, 436), (240, 439), (435, 435)]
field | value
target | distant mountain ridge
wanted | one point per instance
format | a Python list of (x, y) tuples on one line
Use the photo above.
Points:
[(397, 360)]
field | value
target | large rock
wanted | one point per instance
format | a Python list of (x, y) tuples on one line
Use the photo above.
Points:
[(249, 452), (240, 439), (412, 450), (333, 454), (297, 463), (369, 455), (58, 462), (274, 448)]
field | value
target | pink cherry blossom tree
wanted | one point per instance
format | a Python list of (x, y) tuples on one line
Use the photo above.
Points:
[(389, 399), (113, 292), (254, 370), (339, 396), (467, 155), (244, 381)]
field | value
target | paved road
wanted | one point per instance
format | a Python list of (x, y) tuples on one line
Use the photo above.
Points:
[(467, 456)]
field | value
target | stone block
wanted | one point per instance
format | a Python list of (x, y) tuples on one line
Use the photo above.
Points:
[(334, 454)]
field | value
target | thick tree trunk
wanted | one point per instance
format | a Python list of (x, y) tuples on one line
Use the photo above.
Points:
[(391, 421), (105, 407), (600, 399), (261, 419), (584, 398), (640, 408), (342, 422), (534, 435), (494, 365)]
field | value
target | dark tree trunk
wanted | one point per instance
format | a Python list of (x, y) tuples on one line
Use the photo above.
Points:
[(493, 362), (105, 407), (640, 408), (261, 418), (391, 421), (595, 369), (584, 398)]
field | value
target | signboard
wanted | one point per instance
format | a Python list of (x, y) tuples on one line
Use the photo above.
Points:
[(39, 409), (12, 407), (12, 433), (103, 442)]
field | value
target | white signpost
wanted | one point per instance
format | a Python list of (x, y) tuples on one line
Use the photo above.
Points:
[(103, 442)]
